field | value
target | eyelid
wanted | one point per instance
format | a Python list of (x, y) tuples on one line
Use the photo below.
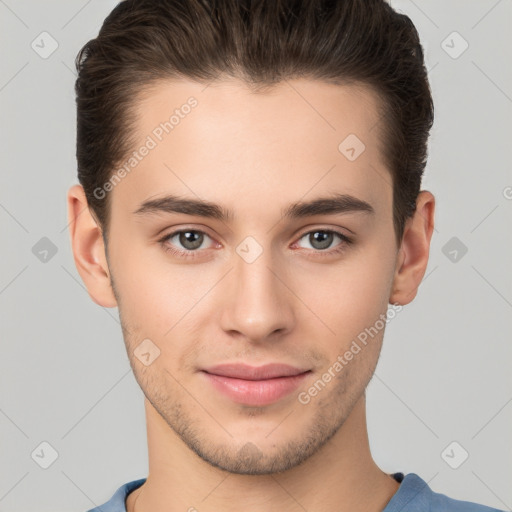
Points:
[(346, 241), (177, 231), (336, 230)]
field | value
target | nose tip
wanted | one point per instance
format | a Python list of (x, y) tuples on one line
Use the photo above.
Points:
[(258, 304)]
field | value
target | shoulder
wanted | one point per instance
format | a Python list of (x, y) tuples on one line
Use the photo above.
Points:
[(117, 502), (415, 495), (441, 502)]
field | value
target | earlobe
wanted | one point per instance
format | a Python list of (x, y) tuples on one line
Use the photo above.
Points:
[(412, 259), (89, 249)]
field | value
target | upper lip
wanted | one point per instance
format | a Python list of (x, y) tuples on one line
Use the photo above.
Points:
[(246, 372)]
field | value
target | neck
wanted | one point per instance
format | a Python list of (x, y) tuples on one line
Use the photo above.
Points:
[(341, 476)]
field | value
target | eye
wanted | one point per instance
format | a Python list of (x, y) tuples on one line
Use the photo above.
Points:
[(190, 239), (322, 239)]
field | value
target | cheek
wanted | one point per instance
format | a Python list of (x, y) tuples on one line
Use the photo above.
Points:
[(351, 296), (146, 293), (158, 299), (347, 295), (156, 303)]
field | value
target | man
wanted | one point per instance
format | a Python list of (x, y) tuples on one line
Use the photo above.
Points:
[(250, 200)]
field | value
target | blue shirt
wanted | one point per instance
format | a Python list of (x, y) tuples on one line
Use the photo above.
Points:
[(413, 493)]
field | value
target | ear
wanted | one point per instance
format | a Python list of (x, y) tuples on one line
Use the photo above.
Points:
[(413, 255), (88, 249)]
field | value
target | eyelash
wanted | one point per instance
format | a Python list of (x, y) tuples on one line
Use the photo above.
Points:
[(346, 241)]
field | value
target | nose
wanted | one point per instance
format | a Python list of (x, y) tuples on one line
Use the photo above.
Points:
[(258, 302)]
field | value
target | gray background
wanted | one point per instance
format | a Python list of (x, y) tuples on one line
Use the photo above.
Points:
[(444, 373)]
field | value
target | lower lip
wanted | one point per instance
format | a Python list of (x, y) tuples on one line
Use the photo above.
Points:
[(256, 392)]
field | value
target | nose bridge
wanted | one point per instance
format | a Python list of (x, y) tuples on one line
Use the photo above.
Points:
[(259, 304)]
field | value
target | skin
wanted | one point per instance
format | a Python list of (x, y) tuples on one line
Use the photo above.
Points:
[(255, 154)]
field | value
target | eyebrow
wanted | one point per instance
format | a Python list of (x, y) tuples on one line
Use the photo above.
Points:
[(334, 204)]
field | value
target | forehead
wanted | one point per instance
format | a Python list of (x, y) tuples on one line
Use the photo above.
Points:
[(223, 140), (300, 106)]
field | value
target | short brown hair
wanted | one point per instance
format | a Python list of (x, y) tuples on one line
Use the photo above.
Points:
[(261, 42)]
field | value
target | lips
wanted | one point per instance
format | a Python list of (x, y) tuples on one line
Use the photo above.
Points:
[(256, 386), (242, 371)]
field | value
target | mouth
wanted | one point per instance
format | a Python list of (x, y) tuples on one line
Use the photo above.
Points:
[(256, 386)]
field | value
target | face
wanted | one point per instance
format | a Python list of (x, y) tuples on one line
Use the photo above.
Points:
[(257, 286)]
